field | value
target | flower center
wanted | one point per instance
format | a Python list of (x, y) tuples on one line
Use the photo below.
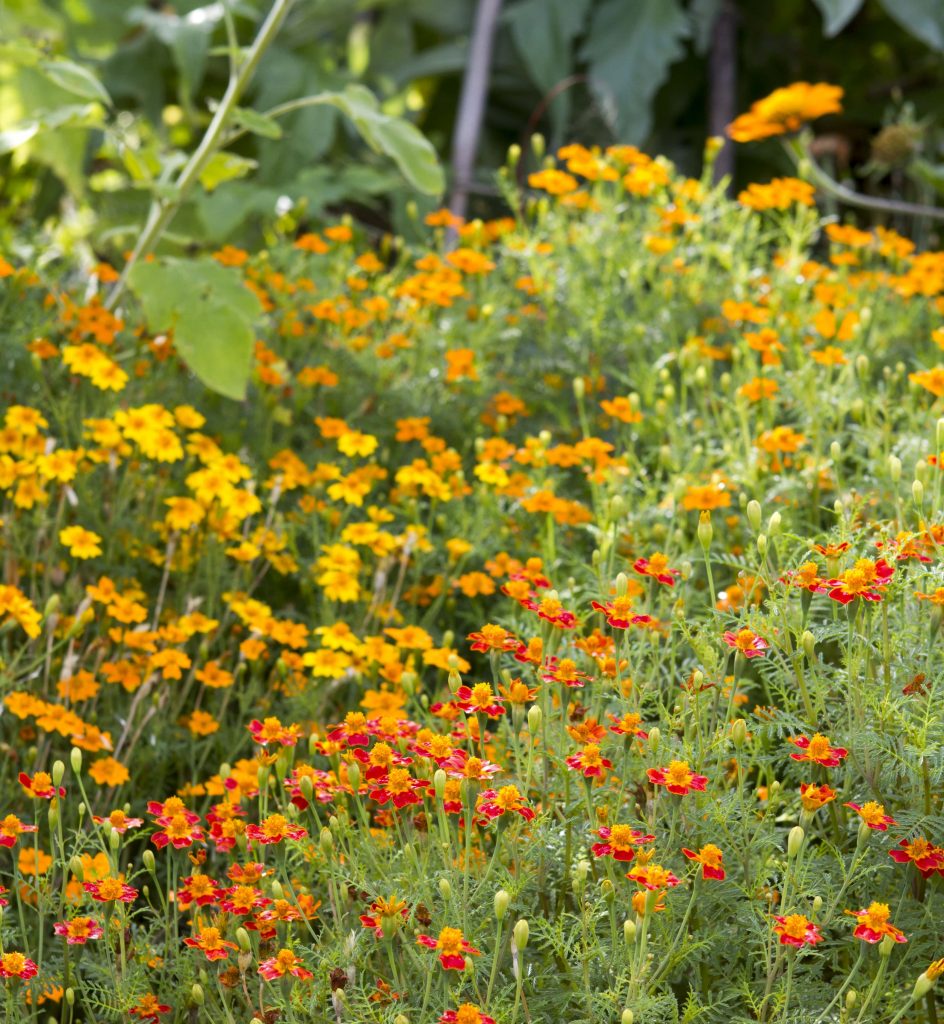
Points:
[(819, 747), (678, 774), (795, 925), (450, 941)]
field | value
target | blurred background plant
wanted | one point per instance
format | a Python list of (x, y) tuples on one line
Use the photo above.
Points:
[(101, 100)]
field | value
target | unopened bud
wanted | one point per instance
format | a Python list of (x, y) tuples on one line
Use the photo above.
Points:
[(78, 869), (917, 492), (626, 1017), (535, 715), (655, 739), (886, 946), (753, 515), (327, 841), (795, 840), (705, 532), (354, 776), (445, 889), (580, 388), (835, 451), (817, 904), (196, 994), (622, 584), (629, 931), (739, 732), (502, 899), (773, 524), (809, 644), (148, 859), (439, 782), (114, 840), (923, 986), (58, 771), (70, 996), (521, 933), (762, 544), (242, 937), (75, 759), (894, 468), (852, 997)]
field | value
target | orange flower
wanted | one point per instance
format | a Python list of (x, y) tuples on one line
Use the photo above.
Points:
[(785, 110)]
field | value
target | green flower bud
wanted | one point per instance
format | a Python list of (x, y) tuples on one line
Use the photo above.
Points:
[(521, 934), (148, 859), (753, 515), (242, 937), (655, 739), (58, 771), (705, 531), (835, 451), (852, 997), (739, 732), (762, 544), (502, 900), (894, 468), (445, 889), (75, 866), (70, 996), (629, 931), (439, 783), (917, 492), (626, 1017), (326, 842), (795, 841), (535, 716), (809, 644), (75, 759), (580, 388), (196, 992)]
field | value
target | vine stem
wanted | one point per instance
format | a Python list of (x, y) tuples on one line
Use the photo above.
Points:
[(163, 210)]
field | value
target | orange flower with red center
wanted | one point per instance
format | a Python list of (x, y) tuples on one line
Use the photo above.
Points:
[(284, 962), (786, 110), (813, 797), (710, 857), (453, 948), (657, 567), (589, 761), (211, 942), (873, 924), (818, 750), (677, 778), (746, 642), (79, 930), (619, 842), (797, 930), (873, 814)]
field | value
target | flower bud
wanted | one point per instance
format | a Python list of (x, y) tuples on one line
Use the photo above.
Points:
[(401, 1019), (622, 584), (70, 996), (521, 934), (75, 759), (762, 544), (580, 388), (78, 869), (502, 899), (835, 451), (894, 468), (114, 840), (705, 532), (538, 145), (886, 946), (629, 931), (817, 904), (327, 841), (922, 986), (535, 715), (242, 937), (773, 524), (439, 780), (445, 889), (58, 770), (354, 776), (809, 644), (626, 1017), (753, 515), (917, 492), (512, 158), (795, 841), (196, 993), (852, 997), (739, 732), (655, 739), (225, 771)]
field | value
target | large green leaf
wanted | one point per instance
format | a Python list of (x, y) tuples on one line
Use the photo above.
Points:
[(629, 49), (403, 142), (75, 79), (837, 14), (211, 314), (922, 18)]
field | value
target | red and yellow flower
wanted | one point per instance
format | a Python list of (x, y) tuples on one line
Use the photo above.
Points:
[(873, 924), (453, 947), (677, 778), (797, 930), (818, 750)]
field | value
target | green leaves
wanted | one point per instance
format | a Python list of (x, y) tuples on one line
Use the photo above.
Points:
[(211, 313), (402, 141), (837, 14), (630, 47), (75, 79)]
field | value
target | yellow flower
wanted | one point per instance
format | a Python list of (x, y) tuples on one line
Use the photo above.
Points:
[(81, 543), (106, 771)]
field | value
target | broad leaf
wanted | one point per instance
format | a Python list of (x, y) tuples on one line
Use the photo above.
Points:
[(75, 79), (211, 314), (225, 167), (837, 14), (629, 49), (922, 18), (258, 124)]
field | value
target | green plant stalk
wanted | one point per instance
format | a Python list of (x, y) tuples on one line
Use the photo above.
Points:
[(162, 211)]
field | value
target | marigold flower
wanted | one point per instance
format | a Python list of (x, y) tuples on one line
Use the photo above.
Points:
[(479, 699), (177, 830), (818, 750), (274, 829), (385, 915), (111, 890), (460, 766), (796, 930), (453, 945), (79, 930), (873, 924), (492, 638), (860, 581), (618, 612), (40, 785), (589, 761), (81, 543), (874, 816), (468, 1013), (11, 828), (284, 962), (16, 965), (925, 857), (619, 842), (199, 889), (494, 803), (786, 110), (813, 797), (746, 642), (272, 731), (652, 877), (212, 943), (628, 725), (657, 568), (148, 1009), (677, 778), (398, 787), (710, 857)]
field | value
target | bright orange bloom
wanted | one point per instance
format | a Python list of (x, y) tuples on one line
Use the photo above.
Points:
[(786, 110)]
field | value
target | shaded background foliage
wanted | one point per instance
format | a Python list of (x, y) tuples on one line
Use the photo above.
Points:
[(662, 74)]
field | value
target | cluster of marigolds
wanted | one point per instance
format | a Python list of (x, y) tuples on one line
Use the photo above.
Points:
[(321, 768)]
